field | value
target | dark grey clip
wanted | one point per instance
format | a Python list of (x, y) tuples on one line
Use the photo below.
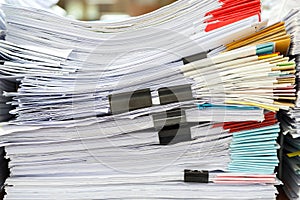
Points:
[(172, 127), (195, 57), (196, 176), (175, 94), (129, 101)]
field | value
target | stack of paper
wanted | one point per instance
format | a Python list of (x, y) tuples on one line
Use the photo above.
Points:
[(10, 84), (178, 29), (5, 85), (253, 148), (292, 25), (120, 151), (110, 111), (254, 76), (94, 160), (124, 53), (275, 33), (290, 119)]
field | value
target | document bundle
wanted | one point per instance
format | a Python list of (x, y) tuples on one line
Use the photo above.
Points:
[(290, 119), (141, 108)]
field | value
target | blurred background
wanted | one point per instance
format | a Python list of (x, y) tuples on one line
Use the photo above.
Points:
[(115, 10), (109, 10)]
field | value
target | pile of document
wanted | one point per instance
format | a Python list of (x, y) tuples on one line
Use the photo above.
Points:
[(9, 84), (275, 33), (5, 85), (254, 76), (253, 148), (124, 52), (290, 119), (179, 27), (128, 110)]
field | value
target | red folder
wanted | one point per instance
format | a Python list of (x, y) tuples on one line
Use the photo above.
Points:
[(270, 119), (233, 15), (235, 8), (231, 12), (211, 27)]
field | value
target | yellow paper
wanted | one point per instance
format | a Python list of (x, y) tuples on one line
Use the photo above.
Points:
[(271, 108), (294, 154)]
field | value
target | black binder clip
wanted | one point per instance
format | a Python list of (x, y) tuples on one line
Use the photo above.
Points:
[(130, 101), (194, 58), (175, 94), (172, 127), (195, 176), (174, 134)]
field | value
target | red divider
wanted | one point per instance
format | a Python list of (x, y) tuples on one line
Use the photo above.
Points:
[(232, 11), (270, 119)]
